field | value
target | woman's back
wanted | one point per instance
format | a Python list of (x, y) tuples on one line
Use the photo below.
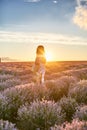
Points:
[(40, 62)]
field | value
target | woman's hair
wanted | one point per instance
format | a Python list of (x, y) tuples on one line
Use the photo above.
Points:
[(40, 50)]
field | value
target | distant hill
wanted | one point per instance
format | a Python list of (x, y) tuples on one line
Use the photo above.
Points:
[(8, 59)]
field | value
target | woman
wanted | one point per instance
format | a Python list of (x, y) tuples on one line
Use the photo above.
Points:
[(39, 66)]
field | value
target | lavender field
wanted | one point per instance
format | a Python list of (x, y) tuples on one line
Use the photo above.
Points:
[(60, 105)]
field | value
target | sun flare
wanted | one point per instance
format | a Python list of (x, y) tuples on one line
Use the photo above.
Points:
[(49, 56)]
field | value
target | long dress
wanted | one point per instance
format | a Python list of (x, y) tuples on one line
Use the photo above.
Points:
[(39, 68)]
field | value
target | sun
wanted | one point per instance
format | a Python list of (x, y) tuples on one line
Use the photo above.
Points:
[(48, 56)]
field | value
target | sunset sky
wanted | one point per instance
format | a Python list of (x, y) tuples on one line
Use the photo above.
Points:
[(59, 25)]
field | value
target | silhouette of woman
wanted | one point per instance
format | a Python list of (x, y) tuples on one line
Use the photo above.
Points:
[(39, 66)]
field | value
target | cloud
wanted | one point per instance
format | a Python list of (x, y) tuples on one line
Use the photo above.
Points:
[(80, 17), (81, 2), (45, 38), (31, 1), (55, 1), (78, 2)]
